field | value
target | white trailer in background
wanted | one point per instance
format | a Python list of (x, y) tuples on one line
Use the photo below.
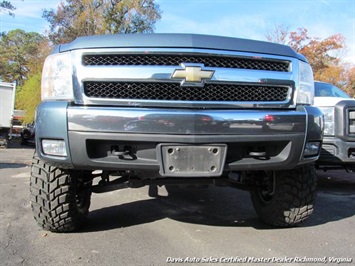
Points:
[(7, 104)]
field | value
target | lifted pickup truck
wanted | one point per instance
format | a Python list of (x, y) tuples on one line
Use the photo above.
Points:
[(338, 148), (175, 109)]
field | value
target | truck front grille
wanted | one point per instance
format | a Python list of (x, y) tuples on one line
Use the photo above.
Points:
[(176, 60), (351, 122), (174, 92)]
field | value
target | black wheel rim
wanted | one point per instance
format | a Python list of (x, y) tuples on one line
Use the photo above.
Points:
[(267, 190)]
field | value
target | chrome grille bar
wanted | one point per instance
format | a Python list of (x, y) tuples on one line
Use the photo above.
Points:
[(176, 60), (164, 91)]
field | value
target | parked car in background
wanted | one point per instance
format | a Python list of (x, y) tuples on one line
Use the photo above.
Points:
[(16, 123), (28, 134), (338, 149)]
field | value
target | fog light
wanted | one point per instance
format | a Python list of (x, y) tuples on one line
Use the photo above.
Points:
[(54, 147), (311, 149)]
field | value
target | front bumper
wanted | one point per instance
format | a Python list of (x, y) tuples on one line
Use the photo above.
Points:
[(336, 151), (339, 150), (94, 136)]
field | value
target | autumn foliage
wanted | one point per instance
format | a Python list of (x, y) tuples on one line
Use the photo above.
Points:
[(23, 53), (74, 18), (325, 56)]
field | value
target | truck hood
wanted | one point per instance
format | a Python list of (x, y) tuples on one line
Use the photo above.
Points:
[(329, 101), (164, 40)]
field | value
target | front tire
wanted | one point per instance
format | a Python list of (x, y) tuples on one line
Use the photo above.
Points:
[(285, 198), (60, 200)]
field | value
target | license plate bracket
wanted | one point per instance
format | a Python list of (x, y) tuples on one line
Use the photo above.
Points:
[(178, 160)]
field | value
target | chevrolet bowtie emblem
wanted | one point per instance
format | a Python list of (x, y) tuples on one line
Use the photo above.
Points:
[(192, 74)]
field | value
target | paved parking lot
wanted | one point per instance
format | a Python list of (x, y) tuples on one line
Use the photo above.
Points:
[(215, 226)]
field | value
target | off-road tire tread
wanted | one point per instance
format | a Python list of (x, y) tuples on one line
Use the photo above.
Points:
[(53, 199), (294, 197)]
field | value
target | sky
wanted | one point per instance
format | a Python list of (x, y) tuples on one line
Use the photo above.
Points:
[(249, 19)]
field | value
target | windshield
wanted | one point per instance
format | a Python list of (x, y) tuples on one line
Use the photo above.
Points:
[(328, 90)]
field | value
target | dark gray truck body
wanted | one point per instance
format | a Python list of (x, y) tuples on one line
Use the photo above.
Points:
[(97, 119), (161, 109)]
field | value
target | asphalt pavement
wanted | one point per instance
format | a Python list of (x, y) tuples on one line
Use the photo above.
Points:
[(214, 226)]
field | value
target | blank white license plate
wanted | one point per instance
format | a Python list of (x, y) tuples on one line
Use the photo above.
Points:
[(192, 160)]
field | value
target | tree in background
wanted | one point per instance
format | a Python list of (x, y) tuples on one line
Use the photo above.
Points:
[(22, 57), (7, 7), (350, 81), (75, 18), (28, 96), (325, 56), (278, 34), (20, 52)]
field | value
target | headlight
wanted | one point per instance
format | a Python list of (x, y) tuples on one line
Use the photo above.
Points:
[(306, 84), (57, 77), (328, 120)]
